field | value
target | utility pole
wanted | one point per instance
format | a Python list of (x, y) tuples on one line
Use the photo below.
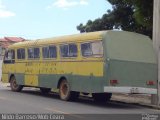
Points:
[(156, 45)]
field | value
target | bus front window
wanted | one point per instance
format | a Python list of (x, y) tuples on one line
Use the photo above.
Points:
[(9, 56)]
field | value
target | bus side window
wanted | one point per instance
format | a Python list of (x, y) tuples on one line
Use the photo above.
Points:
[(73, 51), (21, 53), (9, 56), (69, 50), (45, 51), (36, 53), (97, 49), (49, 52), (64, 50), (92, 49), (33, 53), (86, 49), (30, 53), (52, 52)]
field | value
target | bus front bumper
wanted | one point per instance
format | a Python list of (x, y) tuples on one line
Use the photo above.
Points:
[(130, 90)]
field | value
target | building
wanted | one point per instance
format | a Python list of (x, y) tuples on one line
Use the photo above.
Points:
[(6, 41)]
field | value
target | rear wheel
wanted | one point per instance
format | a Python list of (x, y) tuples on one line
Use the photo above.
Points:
[(101, 97), (14, 86), (45, 90), (65, 93)]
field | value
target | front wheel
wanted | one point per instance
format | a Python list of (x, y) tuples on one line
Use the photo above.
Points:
[(65, 93), (14, 86)]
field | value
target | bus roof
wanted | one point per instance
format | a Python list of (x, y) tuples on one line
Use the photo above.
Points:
[(62, 39)]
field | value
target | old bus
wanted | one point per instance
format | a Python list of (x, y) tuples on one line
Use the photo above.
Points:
[(100, 63)]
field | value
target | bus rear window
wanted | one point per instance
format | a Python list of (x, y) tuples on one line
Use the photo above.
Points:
[(33, 53), (94, 49), (69, 50)]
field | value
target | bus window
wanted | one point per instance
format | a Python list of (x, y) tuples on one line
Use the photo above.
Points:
[(97, 49), (36, 53), (73, 50), (86, 49), (9, 56), (94, 49), (30, 53), (64, 51), (45, 51), (33, 53), (21, 53), (49, 52), (52, 51), (69, 50)]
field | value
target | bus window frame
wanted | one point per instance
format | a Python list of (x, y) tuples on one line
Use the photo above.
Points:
[(92, 56), (61, 57)]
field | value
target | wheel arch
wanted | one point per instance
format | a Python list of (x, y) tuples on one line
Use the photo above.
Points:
[(60, 80), (10, 76)]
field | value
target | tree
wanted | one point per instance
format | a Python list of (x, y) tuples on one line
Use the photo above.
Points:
[(129, 15), (104, 23)]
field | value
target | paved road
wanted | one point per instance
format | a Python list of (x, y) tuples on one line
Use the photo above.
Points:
[(32, 101)]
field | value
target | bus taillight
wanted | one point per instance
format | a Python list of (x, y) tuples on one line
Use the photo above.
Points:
[(113, 82), (150, 83)]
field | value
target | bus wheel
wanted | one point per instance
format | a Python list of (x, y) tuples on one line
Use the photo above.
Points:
[(101, 97), (45, 90), (14, 86), (65, 93)]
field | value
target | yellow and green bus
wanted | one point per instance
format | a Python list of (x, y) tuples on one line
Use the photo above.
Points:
[(100, 63)]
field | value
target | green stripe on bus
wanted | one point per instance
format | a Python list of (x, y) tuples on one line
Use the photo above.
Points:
[(77, 83), (19, 78)]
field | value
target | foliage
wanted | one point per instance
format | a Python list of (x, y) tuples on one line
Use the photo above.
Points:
[(129, 15)]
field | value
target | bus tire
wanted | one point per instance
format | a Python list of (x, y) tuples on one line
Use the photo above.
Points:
[(14, 86), (101, 97), (65, 93), (45, 90)]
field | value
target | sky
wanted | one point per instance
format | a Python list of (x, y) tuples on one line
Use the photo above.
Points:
[(36, 19)]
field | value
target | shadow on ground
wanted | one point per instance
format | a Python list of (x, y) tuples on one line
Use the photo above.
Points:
[(82, 100)]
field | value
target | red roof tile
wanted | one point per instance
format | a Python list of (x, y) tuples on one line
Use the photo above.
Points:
[(4, 44), (3, 40), (14, 39)]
